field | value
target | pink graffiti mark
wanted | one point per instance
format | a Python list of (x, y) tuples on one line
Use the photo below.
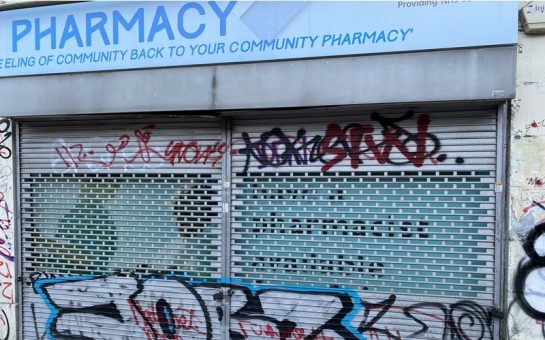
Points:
[(174, 152)]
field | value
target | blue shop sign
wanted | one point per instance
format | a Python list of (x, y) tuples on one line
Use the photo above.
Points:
[(98, 36)]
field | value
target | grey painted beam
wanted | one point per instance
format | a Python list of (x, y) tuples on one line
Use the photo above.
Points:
[(453, 75)]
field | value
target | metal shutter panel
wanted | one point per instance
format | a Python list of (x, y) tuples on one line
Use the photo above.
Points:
[(139, 198), (394, 212), (341, 226)]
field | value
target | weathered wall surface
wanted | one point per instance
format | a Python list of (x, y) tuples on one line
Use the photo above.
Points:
[(526, 314), (7, 243)]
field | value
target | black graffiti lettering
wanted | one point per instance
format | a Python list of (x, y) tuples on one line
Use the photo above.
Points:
[(422, 138), (276, 149), (36, 276), (376, 269), (259, 193), (35, 324), (405, 228), (257, 223), (233, 335), (361, 268), (410, 313), (373, 228), (390, 227), (337, 194), (166, 318), (285, 328), (322, 266), (158, 302), (326, 226), (51, 292), (311, 223), (462, 320), (467, 313), (421, 231), (384, 306), (361, 228), (5, 134), (268, 225), (87, 301), (254, 189), (529, 244), (171, 308), (297, 227), (535, 262), (290, 265), (332, 316), (297, 194), (4, 326), (333, 227)]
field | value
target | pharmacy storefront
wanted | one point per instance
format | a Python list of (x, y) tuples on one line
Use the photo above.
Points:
[(254, 170)]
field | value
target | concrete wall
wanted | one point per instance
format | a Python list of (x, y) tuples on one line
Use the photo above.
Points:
[(526, 276)]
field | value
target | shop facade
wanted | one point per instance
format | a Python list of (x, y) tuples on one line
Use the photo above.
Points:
[(241, 171)]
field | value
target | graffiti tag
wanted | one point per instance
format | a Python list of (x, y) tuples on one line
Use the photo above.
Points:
[(353, 141)]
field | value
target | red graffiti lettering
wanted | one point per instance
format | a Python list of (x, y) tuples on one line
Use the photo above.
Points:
[(7, 292), (333, 133), (183, 319), (141, 150), (396, 146), (270, 332), (242, 328), (298, 334)]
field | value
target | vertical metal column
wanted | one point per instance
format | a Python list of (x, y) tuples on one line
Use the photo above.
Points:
[(500, 233), (226, 226), (18, 233)]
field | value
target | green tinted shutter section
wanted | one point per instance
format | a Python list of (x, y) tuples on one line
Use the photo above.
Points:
[(393, 207), (129, 199)]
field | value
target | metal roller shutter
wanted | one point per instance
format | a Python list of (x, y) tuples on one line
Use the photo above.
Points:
[(394, 213), (318, 224), (138, 199)]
